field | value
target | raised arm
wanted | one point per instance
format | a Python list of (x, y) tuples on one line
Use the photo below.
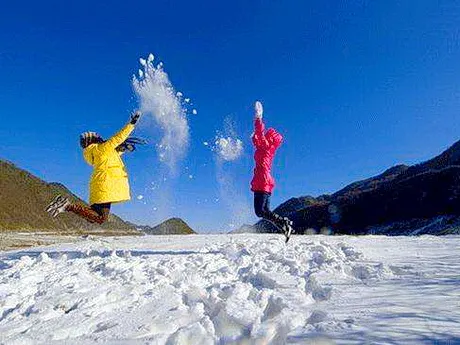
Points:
[(258, 139), (123, 134)]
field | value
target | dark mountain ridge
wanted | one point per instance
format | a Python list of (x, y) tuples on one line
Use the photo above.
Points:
[(418, 199)]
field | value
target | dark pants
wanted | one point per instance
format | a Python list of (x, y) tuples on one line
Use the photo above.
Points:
[(102, 209), (262, 208), (97, 213), (262, 204)]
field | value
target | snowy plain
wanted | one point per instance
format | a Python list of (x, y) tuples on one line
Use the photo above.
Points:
[(233, 289)]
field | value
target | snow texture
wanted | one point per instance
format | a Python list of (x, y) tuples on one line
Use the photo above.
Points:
[(233, 289), (158, 98)]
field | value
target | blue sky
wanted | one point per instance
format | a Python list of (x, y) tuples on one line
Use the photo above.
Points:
[(355, 87)]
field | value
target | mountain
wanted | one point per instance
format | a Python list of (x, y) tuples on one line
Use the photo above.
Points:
[(23, 198), (245, 229), (172, 226), (403, 200)]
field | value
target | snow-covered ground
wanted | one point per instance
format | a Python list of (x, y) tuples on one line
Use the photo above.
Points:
[(239, 289)]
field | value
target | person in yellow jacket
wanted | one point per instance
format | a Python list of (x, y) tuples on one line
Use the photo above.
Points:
[(109, 181)]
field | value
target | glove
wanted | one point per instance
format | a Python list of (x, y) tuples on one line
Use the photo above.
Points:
[(258, 110), (135, 117)]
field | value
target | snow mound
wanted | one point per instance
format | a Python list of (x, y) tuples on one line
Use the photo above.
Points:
[(238, 289)]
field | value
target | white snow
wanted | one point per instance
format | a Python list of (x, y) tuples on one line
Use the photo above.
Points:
[(140, 197), (233, 289)]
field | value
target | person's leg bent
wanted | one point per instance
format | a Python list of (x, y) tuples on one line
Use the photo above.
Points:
[(102, 209), (262, 209), (91, 214)]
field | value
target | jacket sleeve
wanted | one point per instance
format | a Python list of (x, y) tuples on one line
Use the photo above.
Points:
[(258, 139), (118, 138)]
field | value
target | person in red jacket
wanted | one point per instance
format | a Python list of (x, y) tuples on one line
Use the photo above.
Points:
[(265, 143)]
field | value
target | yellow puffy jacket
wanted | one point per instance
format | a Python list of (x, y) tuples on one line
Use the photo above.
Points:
[(109, 181)]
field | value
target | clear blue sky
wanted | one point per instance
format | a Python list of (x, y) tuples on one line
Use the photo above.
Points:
[(354, 86)]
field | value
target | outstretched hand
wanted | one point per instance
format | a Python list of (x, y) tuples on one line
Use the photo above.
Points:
[(258, 110), (135, 117)]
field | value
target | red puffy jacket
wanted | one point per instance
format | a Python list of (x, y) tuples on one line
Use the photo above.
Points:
[(266, 144)]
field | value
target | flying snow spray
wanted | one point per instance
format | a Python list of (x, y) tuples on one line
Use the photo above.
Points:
[(159, 99), (228, 148)]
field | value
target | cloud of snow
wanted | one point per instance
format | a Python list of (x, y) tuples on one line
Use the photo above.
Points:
[(158, 98), (228, 148), (232, 197)]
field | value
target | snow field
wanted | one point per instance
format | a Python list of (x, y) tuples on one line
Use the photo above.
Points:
[(242, 289)]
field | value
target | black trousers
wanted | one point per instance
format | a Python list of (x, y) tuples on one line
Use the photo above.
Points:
[(262, 204), (262, 208), (102, 209)]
